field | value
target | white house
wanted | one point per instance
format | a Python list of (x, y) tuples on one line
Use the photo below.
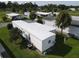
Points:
[(45, 15), (40, 35), (72, 9), (69, 30), (55, 13), (75, 20), (11, 15)]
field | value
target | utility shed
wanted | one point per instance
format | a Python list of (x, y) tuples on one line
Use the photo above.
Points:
[(75, 20), (42, 39), (12, 15)]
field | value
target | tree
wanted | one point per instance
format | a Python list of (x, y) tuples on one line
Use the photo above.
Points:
[(63, 20), (32, 15), (39, 20), (2, 5), (62, 7), (10, 26), (15, 7), (15, 34), (4, 18), (54, 9), (9, 5)]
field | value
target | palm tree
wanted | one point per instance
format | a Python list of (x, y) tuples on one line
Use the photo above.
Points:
[(39, 19), (63, 20), (32, 15)]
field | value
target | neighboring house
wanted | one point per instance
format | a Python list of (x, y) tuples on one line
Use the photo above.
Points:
[(27, 14), (12, 15), (41, 36), (55, 13), (74, 30), (45, 15), (72, 9), (75, 20)]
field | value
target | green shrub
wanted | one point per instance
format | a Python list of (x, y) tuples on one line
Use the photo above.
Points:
[(39, 20), (9, 26), (32, 15), (4, 18)]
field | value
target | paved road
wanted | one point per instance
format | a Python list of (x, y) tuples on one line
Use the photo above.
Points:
[(4, 24)]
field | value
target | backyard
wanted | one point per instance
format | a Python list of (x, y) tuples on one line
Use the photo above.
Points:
[(69, 49)]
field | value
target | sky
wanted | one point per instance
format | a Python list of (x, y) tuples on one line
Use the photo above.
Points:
[(40, 3)]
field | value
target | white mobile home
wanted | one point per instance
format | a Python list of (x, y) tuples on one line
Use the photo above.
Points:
[(72, 9), (75, 20), (40, 36), (45, 15), (55, 13), (11, 15)]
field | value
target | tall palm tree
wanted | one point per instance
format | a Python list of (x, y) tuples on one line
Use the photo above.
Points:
[(63, 20)]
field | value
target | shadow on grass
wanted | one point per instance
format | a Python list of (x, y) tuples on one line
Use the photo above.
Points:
[(11, 55), (60, 50)]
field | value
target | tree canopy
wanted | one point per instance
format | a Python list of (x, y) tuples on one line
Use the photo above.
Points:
[(63, 20), (29, 6)]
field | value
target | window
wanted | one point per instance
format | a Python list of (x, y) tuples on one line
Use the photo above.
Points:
[(49, 41)]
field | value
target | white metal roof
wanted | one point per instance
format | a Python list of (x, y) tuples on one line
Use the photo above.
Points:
[(75, 18), (43, 13), (13, 14), (43, 27), (35, 29), (56, 13), (73, 9)]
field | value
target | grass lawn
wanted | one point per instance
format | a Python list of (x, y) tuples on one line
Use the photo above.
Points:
[(2, 13), (74, 13), (70, 49)]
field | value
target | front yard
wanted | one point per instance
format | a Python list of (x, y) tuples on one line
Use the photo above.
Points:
[(70, 48)]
